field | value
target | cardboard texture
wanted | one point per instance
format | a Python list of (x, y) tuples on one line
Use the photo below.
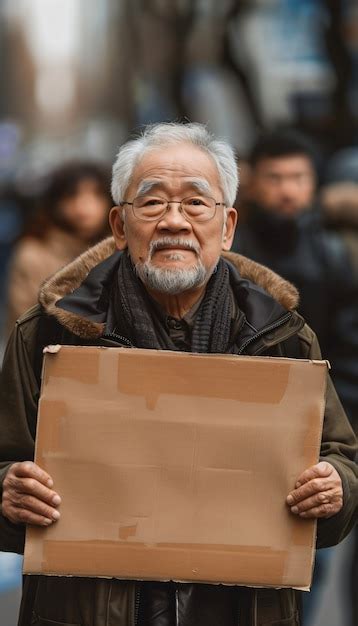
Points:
[(177, 466)]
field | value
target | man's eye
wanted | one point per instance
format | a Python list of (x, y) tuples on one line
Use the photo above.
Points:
[(195, 201), (152, 202)]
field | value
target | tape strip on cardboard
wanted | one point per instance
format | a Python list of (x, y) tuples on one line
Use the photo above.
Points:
[(132, 561), (241, 384)]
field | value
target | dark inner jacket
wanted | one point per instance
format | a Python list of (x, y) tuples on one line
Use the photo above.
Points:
[(73, 311)]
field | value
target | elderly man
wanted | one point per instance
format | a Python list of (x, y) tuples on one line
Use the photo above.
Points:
[(167, 281)]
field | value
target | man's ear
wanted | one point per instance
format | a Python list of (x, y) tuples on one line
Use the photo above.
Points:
[(229, 228), (118, 227)]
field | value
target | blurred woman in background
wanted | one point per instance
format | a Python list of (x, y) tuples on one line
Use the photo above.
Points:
[(73, 215)]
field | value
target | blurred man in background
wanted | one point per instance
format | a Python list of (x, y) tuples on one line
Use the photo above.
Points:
[(284, 230)]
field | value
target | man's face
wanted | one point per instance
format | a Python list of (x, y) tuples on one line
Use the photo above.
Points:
[(284, 185), (174, 173)]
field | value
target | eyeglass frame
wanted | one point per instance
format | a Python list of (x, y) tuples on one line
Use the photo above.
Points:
[(168, 202)]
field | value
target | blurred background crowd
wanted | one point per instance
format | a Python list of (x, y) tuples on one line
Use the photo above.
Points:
[(277, 78)]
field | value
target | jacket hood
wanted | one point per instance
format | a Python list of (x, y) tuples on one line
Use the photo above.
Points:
[(84, 274)]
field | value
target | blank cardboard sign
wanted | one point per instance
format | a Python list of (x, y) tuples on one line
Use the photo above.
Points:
[(176, 466)]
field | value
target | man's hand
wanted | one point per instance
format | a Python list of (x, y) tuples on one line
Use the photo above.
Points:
[(28, 497), (318, 492)]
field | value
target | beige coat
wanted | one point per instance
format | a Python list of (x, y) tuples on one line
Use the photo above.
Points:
[(34, 261)]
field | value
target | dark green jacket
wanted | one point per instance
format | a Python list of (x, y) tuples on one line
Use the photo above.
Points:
[(270, 326)]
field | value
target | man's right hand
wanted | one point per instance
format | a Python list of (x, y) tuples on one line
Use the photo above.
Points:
[(28, 497)]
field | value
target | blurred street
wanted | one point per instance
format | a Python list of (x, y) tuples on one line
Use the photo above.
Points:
[(79, 77)]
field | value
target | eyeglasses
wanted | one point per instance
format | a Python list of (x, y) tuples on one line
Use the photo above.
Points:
[(194, 209)]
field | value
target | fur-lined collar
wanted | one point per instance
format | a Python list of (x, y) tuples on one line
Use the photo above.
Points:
[(72, 276)]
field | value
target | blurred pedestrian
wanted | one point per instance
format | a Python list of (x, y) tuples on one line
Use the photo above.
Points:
[(339, 197), (284, 230), (73, 215)]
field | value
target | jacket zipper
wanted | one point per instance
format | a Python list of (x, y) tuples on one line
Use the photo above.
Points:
[(254, 620), (119, 339), (176, 606), (266, 330), (136, 604)]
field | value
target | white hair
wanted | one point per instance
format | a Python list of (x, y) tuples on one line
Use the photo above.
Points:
[(164, 134)]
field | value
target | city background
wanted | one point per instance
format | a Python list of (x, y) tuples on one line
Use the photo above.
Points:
[(79, 76)]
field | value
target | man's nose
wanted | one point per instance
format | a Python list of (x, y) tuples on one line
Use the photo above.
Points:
[(174, 218), (288, 189)]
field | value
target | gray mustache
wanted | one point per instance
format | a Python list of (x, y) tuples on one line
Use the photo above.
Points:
[(159, 244)]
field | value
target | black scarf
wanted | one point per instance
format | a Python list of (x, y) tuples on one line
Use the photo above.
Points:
[(135, 315)]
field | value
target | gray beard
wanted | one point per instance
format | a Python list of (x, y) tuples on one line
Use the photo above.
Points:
[(171, 281)]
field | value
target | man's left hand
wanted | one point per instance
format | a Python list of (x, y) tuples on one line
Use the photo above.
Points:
[(318, 492)]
